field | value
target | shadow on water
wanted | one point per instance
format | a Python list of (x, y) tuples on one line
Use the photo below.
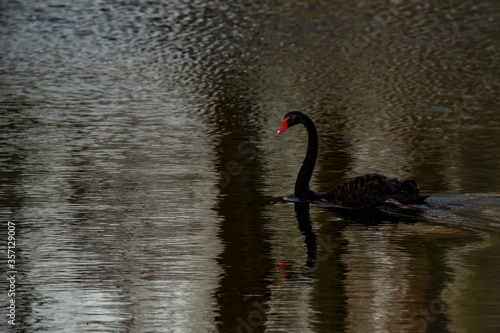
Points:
[(422, 269), (370, 261), (245, 257), (369, 217), (305, 226)]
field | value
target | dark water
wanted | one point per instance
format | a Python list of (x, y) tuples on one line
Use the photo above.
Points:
[(142, 177)]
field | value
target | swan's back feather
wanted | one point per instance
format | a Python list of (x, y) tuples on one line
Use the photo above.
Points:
[(374, 190)]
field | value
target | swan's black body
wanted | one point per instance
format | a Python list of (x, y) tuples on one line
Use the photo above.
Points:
[(367, 190)]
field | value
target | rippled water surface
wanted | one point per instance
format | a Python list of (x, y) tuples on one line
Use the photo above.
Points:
[(141, 174)]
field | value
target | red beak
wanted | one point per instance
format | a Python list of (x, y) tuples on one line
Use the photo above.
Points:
[(283, 127)]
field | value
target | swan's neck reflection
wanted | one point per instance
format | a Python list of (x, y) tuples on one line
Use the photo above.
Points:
[(305, 225)]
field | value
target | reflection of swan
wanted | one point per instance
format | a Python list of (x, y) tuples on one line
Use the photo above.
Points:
[(367, 190), (305, 225), (375, 216), (366, 216)]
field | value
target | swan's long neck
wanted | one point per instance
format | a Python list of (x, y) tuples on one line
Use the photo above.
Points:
[(302, 184)]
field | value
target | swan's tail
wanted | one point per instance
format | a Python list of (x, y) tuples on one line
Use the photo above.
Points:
[(407, 192)]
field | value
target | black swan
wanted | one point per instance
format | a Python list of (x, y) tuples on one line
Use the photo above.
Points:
[(368, 190)]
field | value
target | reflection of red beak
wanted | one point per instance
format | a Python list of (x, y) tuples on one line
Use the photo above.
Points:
[(283, 127), (282, 264)]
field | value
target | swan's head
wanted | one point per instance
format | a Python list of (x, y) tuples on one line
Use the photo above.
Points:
[(291, 119)]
